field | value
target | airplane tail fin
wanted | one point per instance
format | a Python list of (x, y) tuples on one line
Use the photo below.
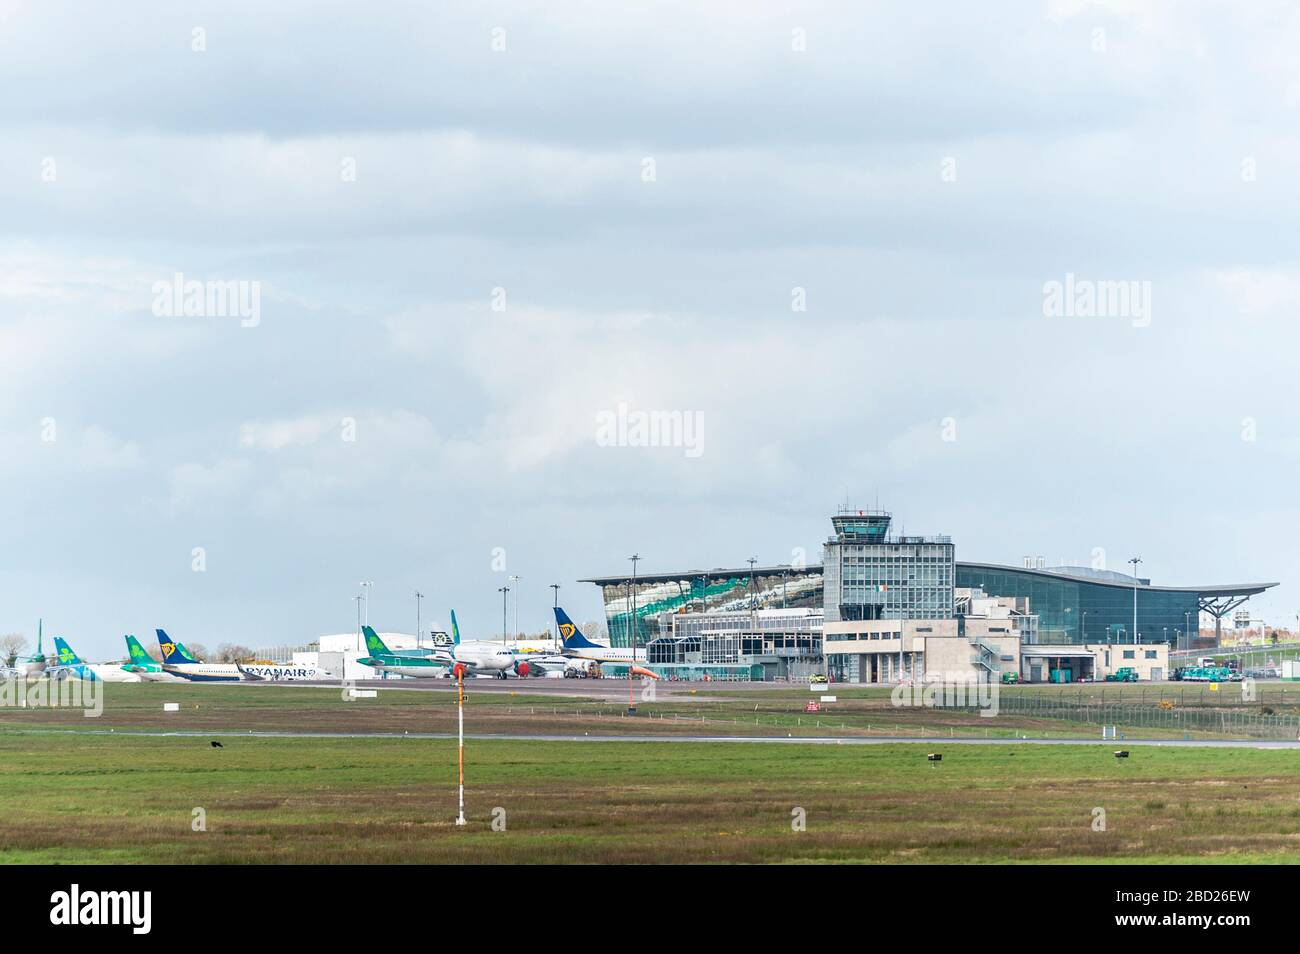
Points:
[(136, 653), (455, 630), (173, 652), (569, 632), (374, 645), (67, 657)]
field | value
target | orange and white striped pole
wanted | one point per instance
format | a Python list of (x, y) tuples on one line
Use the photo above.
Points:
[(460, 719)]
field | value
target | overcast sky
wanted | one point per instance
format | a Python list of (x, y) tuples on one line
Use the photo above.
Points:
[(475, 228)]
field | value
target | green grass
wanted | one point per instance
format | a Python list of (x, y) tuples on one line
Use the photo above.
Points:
[(759, 712), (113, 799)]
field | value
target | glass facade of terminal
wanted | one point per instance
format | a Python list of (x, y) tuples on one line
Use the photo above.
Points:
[(1071, 610), (656, 599)]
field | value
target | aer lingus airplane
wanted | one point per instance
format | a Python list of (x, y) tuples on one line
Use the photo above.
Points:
[(145, 666), (479, 657), (33, 666), (72, 666)]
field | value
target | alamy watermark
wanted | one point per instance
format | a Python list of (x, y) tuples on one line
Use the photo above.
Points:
[(1087, 298), (949, 690), (624, 427), (84, 694), (191, 298)]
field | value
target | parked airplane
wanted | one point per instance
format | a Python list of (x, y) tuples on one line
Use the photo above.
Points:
[(479, 657), (579, 646), (178, 661), (383, 659), (284, 672), (145, 666), (72, 666), (32, 666)]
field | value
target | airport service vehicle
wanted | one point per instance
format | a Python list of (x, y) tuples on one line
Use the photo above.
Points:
[(1124, 674), (1211, 674), (579, 646), (817, 679)]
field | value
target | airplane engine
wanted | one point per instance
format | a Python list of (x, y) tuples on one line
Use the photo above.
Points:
[(522, 669)]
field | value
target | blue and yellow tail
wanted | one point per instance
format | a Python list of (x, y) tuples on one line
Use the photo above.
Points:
[(173, 652), (570, 634), (374, 645)]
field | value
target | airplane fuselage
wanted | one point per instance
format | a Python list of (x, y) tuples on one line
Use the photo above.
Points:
[(205, 672)]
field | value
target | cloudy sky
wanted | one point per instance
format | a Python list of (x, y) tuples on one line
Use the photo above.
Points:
[(821, 232)]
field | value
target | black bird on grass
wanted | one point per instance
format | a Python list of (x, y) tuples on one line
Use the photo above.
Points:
[(217, 745)]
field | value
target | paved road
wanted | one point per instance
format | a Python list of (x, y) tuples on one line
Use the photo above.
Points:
[(773, 740)]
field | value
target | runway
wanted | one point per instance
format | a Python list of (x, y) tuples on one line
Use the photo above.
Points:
[(769, 740)]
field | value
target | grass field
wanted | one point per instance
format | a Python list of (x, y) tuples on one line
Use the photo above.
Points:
[(74, 789), (117, 798), (766, 712)]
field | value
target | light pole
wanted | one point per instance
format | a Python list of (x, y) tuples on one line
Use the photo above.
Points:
[(365, 588), (1135, 561), (1187, 627), (418, 596), (631, 701), (504, 591), (358, 598), (515, 581), (555, 627), (1085, 626)]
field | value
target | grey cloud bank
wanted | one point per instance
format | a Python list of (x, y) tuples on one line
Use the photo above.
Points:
[(521, 170)]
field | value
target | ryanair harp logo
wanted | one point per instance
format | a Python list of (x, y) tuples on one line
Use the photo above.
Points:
[(567, 630), (168, 649)]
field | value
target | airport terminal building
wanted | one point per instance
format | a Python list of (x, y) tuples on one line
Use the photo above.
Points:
[(881, 608)]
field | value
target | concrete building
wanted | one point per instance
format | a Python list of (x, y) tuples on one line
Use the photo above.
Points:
[(934, 614)]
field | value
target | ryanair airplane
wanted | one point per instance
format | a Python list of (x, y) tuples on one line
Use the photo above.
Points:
[(178, 661), (579, 646)]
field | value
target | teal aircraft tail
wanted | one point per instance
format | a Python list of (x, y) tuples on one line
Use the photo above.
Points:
[(374, 645), (67, 657), (137, 655), (455, 630)]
